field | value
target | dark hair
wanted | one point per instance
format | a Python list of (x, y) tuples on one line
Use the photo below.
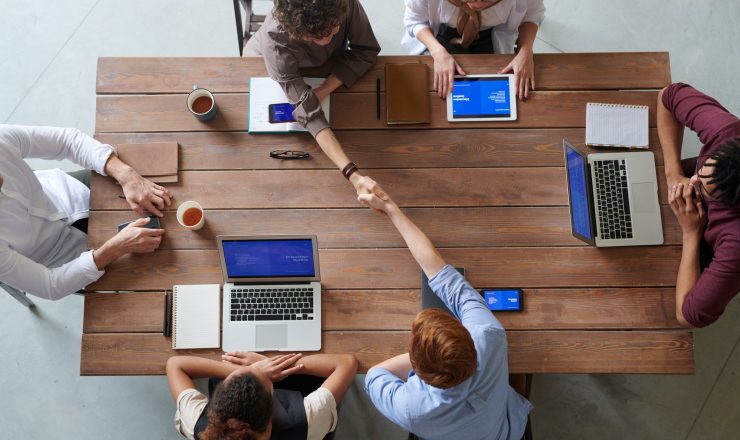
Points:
[(441, 350), (240, 408), (726, 174), (309, 18)]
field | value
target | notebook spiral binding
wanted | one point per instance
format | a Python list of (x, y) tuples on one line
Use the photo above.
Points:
[(174, 313), (601, 104)]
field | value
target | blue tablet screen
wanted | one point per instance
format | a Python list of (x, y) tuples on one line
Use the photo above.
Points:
[(579, 207), (481, 98)]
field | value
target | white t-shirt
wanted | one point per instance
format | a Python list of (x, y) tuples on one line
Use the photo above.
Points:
[(321, 412)]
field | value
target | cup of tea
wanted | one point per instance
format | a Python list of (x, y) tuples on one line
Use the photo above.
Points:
[(202, 104), (190, 215)]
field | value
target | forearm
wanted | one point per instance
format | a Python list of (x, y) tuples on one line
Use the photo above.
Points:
[(399, 365), (118, 170), (422, 249), (670, 134), (330, 145), (182, 370), (332, 83), (688, 273), (428, 39), (338, 369), (527, 35), (109, 252)]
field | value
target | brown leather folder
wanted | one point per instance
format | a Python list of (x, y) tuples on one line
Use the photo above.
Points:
[(157, 161), (407, 97)]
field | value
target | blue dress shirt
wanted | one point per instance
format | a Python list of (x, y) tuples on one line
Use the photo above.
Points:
[(482, 407)]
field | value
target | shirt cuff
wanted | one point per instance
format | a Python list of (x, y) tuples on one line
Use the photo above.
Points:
[(417, 27), (321, 413), (103, 155), (315, 125), (345, 74), (89, 268), (442, 277)]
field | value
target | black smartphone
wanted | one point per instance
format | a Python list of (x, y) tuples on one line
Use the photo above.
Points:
[(281, 113), (503, 300), (153, 223)]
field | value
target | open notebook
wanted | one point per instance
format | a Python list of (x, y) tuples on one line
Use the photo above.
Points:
[(616, 125), (196, 312), (263, 92)]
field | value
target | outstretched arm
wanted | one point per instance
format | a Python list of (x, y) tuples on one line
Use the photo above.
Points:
[(424, 252)]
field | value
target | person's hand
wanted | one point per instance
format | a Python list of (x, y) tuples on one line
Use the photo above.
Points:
[(321, 92), (137, 239), (675, 180), (688, 208), (366, 185), (445, 68), (376, 203), (145, 195), (523, 68), (242, 358), (279, 367)]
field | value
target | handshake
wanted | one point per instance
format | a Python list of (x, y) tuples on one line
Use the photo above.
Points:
[(370, 194)]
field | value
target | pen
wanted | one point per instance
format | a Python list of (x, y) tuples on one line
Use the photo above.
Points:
[(377, 98)]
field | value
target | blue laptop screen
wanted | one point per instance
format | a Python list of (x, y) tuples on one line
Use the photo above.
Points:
[(269, 258), (481, 98), (579, 206)]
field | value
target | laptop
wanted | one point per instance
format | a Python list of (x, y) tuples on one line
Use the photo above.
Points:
[(272, 293), (613, 198)]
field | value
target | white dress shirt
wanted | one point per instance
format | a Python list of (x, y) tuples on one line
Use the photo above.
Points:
[(40, 252), (420, 14)]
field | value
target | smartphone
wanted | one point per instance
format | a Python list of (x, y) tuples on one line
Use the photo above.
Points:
[(153, 223), (503, 300), (281, 113)]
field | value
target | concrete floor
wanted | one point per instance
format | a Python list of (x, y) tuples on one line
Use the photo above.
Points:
[(48, 55)]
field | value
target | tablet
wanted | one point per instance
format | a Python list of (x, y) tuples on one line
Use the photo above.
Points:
[(482, 98)]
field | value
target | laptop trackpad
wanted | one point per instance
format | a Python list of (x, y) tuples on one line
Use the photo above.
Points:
[(272, 336), (643, 198)]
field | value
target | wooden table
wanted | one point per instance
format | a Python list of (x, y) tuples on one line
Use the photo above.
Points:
[(491, 196)]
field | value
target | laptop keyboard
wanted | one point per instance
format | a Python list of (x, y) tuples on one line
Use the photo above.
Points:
[(612, 199), (278, 304)]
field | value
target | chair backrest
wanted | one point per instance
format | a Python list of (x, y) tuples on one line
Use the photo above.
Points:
[(246, 26), (17, 294)]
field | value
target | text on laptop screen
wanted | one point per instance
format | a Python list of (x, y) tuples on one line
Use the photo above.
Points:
[(269, 258), (481, 98), (579, 207)]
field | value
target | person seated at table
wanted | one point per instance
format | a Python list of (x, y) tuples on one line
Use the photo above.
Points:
[(246, 404), (453, 382), (707, 204), (329, 37), (43, 214), (451, 27)]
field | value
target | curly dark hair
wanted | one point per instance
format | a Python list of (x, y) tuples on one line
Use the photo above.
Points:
[(312, 18), (240, 409), (726, 174)]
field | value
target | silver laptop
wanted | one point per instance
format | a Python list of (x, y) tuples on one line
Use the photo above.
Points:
[(272, 293), (613, 198)]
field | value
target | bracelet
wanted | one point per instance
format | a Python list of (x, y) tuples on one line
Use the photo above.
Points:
[(348, 170)]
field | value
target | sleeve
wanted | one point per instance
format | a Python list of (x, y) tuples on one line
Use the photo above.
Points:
[(716, 287), (388, 394), (535, 12), (321, 413), (31, 277), (362, 51), (61, 143), (701, 113), (282, 66), (190, 405), (415, 17), (459, 296)]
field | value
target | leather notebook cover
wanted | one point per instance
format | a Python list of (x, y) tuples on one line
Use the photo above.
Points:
[(407, 97), (157, 161)]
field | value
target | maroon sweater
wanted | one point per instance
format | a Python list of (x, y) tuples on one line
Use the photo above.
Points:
[(720, 281)]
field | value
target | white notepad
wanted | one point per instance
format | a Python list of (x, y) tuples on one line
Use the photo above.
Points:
[(616, 125), (263, 91), (196, 312)]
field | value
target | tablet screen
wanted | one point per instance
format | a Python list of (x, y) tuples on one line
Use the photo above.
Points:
[(481, 98)]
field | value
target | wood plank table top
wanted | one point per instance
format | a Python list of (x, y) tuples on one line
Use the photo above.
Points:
[(491, 196)]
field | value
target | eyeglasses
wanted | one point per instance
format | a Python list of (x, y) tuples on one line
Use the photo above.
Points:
[(289, 154), (704, 193)]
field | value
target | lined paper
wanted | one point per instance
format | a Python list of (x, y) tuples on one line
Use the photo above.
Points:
[(616, 125), (196, 311)]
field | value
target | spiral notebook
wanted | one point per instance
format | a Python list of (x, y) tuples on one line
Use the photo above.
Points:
[(616, 125), (196, 312)]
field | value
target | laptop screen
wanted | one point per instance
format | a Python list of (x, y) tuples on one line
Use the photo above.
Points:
[(481, 98), (272, 258), (580, 215)]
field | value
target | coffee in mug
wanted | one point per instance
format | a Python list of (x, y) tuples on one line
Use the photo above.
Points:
[(190, 215), (202, 104)]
